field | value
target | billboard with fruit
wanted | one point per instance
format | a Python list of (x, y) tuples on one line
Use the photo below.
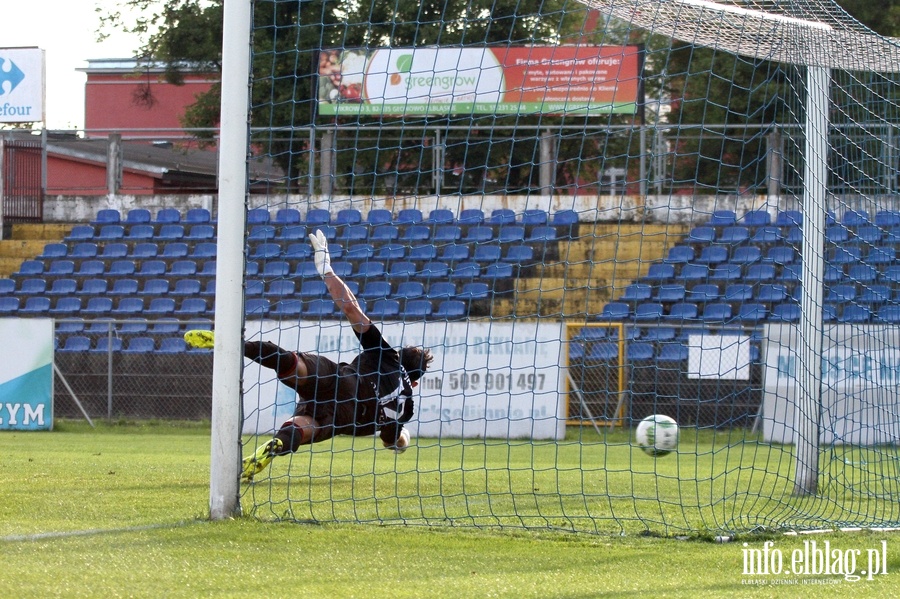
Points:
[(591, 80)]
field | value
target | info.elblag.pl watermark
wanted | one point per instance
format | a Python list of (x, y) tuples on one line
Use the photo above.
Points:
[(814, 563)]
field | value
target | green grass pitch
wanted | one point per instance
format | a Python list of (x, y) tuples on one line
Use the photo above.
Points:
[(121, 511)]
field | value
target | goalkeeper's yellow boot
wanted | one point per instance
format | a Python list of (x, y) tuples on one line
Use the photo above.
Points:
[(199, 339), (259, 460)]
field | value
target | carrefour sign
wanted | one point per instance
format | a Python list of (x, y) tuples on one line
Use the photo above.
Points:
[(588, 80), (21, 85)]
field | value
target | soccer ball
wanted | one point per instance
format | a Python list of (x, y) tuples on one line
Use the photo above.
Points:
[(657, 435)]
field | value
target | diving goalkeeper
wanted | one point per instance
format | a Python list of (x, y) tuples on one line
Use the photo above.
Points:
[(373, 393)]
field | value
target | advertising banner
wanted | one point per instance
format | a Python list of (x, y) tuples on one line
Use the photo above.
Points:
[(497, 380), (588, 80), (21, 85), (26, 374), (860, 379)]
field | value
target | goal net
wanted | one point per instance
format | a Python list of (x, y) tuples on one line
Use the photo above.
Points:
[(590, 213)]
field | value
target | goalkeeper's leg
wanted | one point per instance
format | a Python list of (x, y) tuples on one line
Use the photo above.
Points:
[(297, 431)]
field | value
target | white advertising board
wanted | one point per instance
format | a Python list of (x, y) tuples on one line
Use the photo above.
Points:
[(860, 403), (497, 380), (21, 85), (26, 374)]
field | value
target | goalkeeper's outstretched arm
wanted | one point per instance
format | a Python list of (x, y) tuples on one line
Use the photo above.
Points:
[(339, 291)]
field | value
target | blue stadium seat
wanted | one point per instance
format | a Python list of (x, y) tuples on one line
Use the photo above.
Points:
[(30, 268), (342, 268), (348, 216), (840, 293), (889, 314), (144, 250), (281, 268), (254, 287), (441, 290), (450, 309), (204, 251), (497, 270), (648, 311), (722, 218), (186, 287), (785, 312), (140, 345), (257, 307), (422, 253), (511, 234), (855, 218), (746, 255), (867, 234), (658, 334), (137, 216), (726, 272), (881, 255), (57, 250), (637, 352), (672, 352), (98, 306), (856, 314), (8, 286), (320, 308), (316, 217), (107, 216), (286, 216), (384, 234), (201, 232), (258, 216), (385, 308), (789, 218), (772, 293), (139, 233), (680, 254), (69, 324), (373, 269), (261, 233), (615, 311), (93, 287), (756, 218), (660, 272), (542, 234), (376, 290), (701, 235), (107, 345), (565, 218), (208, 289), (304, 270), (837, 234), (791, 273), (486, 254), (670, 293), (199, 216), (80, 233), (887, 219), (280, 288), (891, 274), (415, 233), (637, 292), (292, 233), (32, 286), (862, 273), (155, 287), (128, 306), (312, 289), (519, 254), (167, 216), (166, 325), (692, 272), (602, 351), (355, 252), (379, 216), (9, 305), (75, 343), (122, 268), (353, 233), (712, 254), (416, 309), (535, 217), (447, 233), (752, 313), (875, 294), (403, 269), (123, 287), (151, 268), (111, 251), (471, 217), (172, 345), (767, 236), (734, 235), (61, 287), (780, 255), (716, 312), (440, 216), (738, 292), (174, 250), (160, 306), (703, 293), (91, 268), (409, 290), (409, 216), (455, 252), (192, 306), (502, 216), (474, 290), (391, 251), (60, 268), (265, 251), (35, 306)]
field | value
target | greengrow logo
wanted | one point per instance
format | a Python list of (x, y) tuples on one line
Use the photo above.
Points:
[(444, 82), (9, 74)]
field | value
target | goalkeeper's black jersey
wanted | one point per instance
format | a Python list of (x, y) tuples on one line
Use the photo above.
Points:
[(382, 377)]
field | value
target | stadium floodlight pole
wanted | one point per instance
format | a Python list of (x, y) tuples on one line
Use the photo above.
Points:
[(225, 458)]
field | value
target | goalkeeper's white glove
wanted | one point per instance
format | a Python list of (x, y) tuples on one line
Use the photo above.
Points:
[(320, 252), (402, 442)]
